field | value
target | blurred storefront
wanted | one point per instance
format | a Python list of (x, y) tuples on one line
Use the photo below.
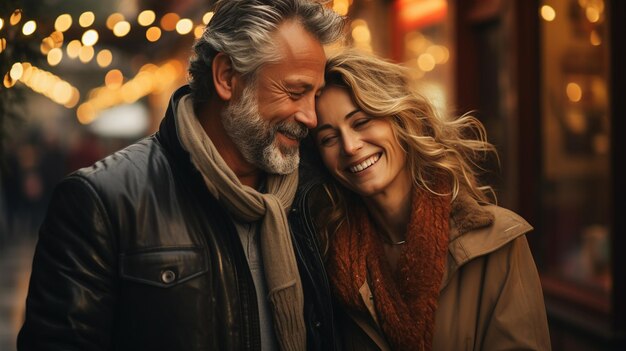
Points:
[(546, 77)]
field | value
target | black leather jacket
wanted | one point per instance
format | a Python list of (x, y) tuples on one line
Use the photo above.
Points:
[(135, 254)]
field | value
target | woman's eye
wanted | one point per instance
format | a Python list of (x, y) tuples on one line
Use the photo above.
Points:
[(327, 140), (361, 122)]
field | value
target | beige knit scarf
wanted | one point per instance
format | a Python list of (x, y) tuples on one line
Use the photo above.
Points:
[(246, 204)]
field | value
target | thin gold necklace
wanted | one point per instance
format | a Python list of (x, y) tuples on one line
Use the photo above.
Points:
[(391, 242)]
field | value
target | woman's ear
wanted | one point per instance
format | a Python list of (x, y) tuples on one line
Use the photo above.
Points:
[(223, 76)]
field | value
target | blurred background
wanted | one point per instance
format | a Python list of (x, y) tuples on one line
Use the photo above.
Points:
[(83, 78)]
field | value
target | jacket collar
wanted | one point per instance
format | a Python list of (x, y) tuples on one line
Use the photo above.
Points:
[(477, 230), (168, 130)]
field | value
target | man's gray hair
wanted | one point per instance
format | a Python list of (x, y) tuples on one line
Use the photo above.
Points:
[(243, 30)]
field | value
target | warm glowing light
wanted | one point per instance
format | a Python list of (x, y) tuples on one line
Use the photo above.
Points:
[(63, 22), (168, 21), (16, 71), (207, 17), (29, 27), (574, 92), (90, 37), (341, 7), (57, 39), (146, 18), (184, 26), (85, 54), (85, 113), (3, 44), (548, 13), (440, 53), (198, 31), (16, 17), (73, 48), (592, 14), (61, 92), (73, 101), (1, 23), (361, 34), (54, 56), (426, 62), (28, 71), (594, 38), (8, 82), (48, 84), (153, 34), (113, 79), (86, 19), (417, 14), (46, 45), (121, 28), (113, 19), (104, 58)]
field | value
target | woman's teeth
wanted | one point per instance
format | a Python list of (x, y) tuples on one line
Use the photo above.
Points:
[(365, 164)]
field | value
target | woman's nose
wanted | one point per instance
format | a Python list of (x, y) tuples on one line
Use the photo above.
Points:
[(352, 143)]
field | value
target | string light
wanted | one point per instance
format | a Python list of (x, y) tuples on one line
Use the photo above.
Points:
[(15, 18), (1, 23), (146, 18), (168, 21), (198, 31), (104, 58), (547, 13), (153, 34), (113, 19), (121, 28), (45, 83), (16, 71), (63, 22), (29, 27), (85, 54), (184, 26), (73, 48), (207, 17), (90, 37), (148, 80), (86, 19), (55, 56)]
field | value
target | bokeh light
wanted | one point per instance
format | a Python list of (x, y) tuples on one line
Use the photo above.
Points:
[(29, 27), (86, 19), (90, 37), (146, 18), (104, 58), (63, 22)]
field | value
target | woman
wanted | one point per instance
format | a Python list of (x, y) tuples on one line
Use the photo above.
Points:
[(417, 257)]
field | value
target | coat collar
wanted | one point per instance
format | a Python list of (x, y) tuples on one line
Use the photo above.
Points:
[(477, 230)]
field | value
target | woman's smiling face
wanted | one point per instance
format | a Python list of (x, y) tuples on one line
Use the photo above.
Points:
[(360, 151)]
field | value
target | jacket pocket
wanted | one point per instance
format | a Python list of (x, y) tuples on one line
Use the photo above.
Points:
[(163, 267)]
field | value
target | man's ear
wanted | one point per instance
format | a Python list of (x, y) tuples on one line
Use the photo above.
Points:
[(224, 76)]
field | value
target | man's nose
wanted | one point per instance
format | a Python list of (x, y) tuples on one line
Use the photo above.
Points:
[(306, 113)]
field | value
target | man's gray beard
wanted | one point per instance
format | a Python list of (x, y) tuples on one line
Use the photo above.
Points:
[(256, 139)]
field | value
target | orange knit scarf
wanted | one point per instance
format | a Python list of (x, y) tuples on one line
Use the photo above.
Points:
[(405, 302)]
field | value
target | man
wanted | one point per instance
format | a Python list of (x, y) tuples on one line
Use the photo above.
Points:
[(180, 241)]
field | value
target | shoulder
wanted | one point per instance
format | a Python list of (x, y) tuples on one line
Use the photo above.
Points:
[(125, 173), (504, 229)]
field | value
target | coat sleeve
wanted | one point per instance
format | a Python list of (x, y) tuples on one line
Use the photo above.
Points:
[(518, 319), (71, 295)]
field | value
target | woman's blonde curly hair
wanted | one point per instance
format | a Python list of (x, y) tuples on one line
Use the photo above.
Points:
[(436, 147)]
